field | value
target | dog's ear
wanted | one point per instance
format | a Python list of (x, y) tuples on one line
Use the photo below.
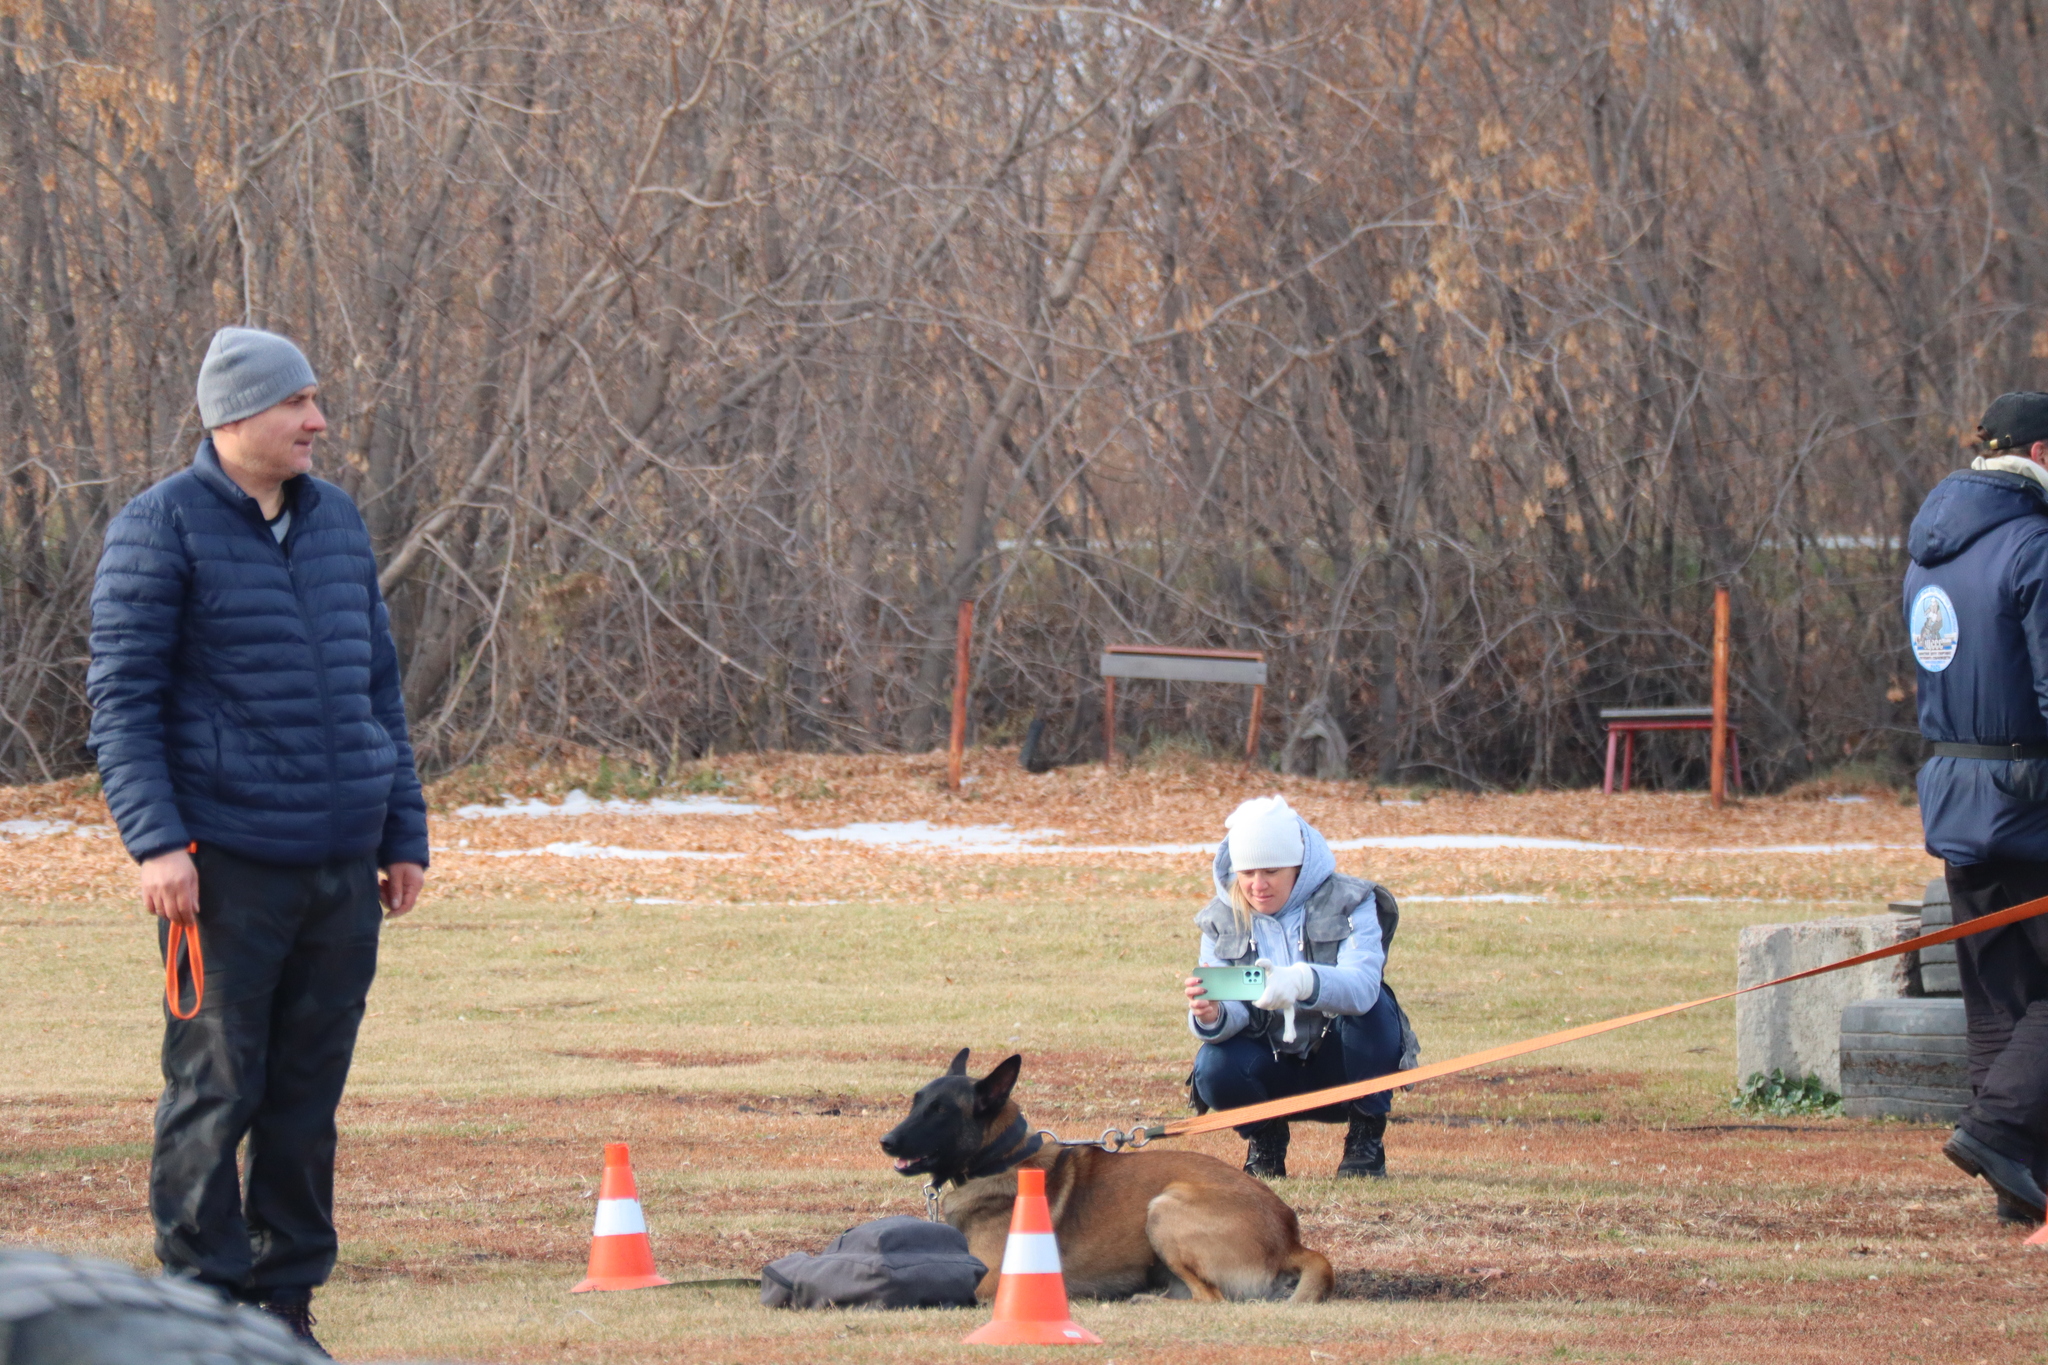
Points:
[(959, 1067), (992, 1091)]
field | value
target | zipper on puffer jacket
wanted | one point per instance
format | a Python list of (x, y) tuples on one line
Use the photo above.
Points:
[(319, 659)]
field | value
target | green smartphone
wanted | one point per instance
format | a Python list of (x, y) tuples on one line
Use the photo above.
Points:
[(1232, 983)]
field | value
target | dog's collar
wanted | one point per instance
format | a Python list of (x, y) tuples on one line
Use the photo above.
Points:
[(1016, 1146)]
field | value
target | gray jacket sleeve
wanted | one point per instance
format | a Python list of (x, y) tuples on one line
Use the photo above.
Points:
[(1353, 985)]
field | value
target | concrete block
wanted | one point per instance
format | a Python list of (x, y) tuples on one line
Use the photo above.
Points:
[(1905, 1059), (1797, 1028)]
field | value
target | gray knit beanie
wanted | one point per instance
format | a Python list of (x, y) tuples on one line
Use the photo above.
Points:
[(246, 371)]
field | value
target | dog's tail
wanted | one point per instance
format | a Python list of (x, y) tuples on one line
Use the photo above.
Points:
[(1317, 1279)]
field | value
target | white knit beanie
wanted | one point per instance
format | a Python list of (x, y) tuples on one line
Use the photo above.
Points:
[(1264, 832)]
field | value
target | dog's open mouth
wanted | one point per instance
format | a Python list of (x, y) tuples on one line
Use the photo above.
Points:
[(913, 1165)]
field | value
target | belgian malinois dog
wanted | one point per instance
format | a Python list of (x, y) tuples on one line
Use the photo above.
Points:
[(1128, 1222)]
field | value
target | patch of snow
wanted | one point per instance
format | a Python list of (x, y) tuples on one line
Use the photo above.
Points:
[(45, 829), (33, 829), (580, 802), (1801, 848), (1753, 900), (924, 836), (588, 850), (1848, 800)]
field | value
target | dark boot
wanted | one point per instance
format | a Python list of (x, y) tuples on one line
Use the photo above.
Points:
[(1266, 1158), (1365, 1151), (293, 1308), (2010, 1210), (2013, 1180)]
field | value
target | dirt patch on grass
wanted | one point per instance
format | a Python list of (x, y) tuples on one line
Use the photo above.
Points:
[(1396, 1286)]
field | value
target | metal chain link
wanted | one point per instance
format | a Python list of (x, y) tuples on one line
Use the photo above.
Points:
[(1112, 1139)]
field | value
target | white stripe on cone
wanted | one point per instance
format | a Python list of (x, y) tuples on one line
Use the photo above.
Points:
[(619, 1218), (1031, 1253)]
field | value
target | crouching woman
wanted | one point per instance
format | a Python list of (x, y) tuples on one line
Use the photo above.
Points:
[(1327, 1016)]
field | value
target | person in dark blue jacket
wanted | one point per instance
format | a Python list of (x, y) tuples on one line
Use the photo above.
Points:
[(251, 740), (1976, 603)]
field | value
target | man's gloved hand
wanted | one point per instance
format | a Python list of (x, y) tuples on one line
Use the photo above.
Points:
[(1286, 987)]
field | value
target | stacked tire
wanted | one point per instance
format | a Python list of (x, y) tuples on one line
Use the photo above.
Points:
[(1908, 1058), (1938, 964)]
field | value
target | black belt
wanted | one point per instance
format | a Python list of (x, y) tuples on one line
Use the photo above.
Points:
[(1943, 749)]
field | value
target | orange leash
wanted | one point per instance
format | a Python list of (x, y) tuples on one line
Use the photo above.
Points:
[(186, 936), (1338, 1094)]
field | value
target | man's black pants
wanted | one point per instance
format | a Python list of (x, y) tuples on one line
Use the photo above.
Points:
[(290, 953), (2005, 997)]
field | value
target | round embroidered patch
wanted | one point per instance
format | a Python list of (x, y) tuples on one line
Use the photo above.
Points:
[(1933, 621)]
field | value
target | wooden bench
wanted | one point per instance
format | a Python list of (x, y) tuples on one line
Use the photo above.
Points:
[(1625, 722), (1246, 667)]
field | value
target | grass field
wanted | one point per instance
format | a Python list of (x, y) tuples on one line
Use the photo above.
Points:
[(1598, 1202)]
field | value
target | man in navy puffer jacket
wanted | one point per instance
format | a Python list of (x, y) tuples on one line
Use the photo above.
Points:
[(1977, 619), (251, 739)]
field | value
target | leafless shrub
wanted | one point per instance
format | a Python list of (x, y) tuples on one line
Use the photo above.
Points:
[(690, 362)]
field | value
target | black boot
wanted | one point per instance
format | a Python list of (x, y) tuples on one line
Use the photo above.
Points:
[(2010, 1210), (293, 1308), (1365, 1152), (2013, 1180), (1266, 1158)]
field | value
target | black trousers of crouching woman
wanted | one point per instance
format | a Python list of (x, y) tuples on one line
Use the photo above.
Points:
[(1243, 1070), (290, 953), (2005, 1000)]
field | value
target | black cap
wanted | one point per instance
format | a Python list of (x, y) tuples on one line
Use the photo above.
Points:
[(2014, 421)]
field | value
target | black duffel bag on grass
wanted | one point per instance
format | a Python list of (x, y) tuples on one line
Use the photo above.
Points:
[(899, 1262)]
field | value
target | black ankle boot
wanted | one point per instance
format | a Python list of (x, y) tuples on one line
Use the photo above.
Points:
[(1365, 1151), (1266, 1158), (293, 1308), (2010, 1210)]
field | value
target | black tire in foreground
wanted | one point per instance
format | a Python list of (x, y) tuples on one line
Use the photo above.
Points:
[(56, 1310)]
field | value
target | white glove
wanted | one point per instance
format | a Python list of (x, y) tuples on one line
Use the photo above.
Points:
[(1286, 987)]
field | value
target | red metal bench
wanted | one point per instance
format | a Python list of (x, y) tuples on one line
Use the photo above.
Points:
[(1625, 722)]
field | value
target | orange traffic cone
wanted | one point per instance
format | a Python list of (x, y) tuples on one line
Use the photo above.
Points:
[(620, 1257), (1031, 1298), (2040, 1237)]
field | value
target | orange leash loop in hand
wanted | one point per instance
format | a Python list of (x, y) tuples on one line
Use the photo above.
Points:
[(188, 937), (1317, 1099)]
